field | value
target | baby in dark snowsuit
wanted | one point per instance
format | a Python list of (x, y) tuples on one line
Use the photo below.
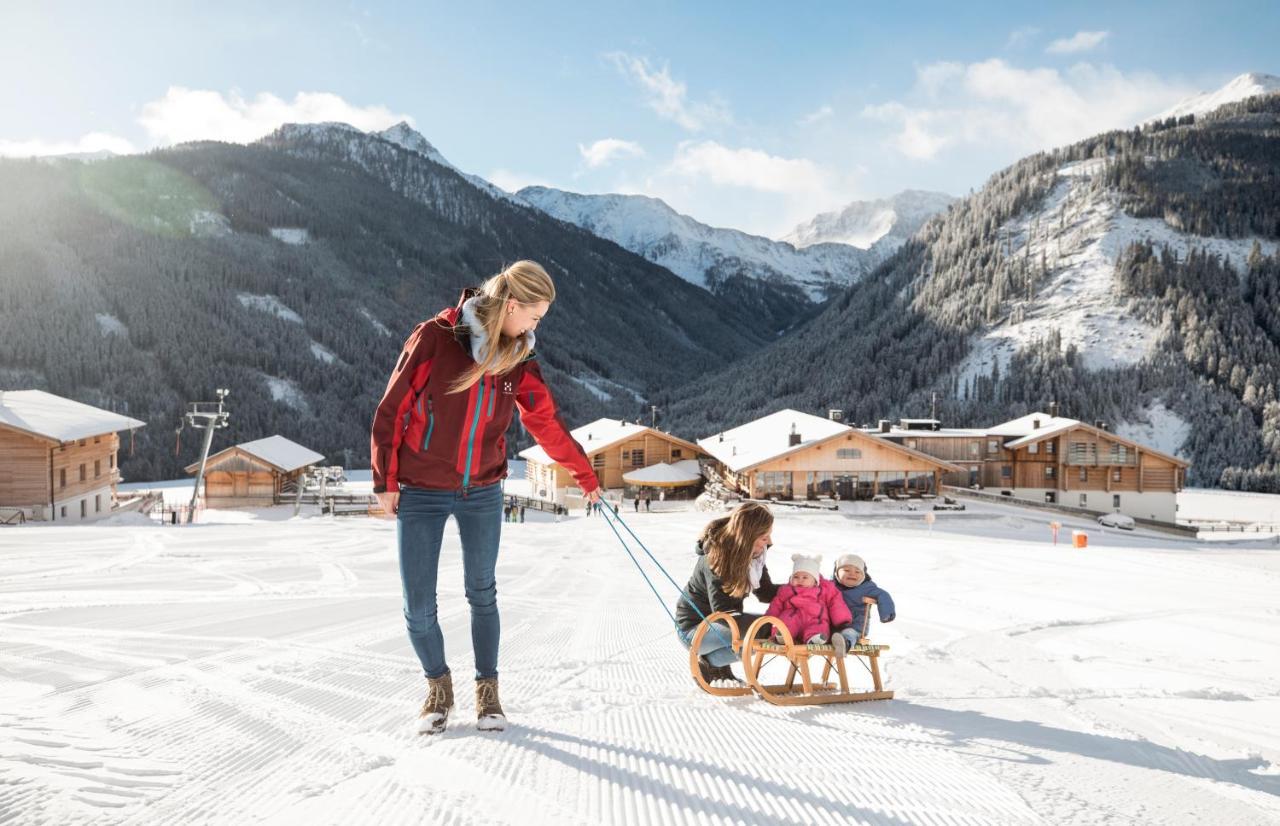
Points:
[(854, 583)]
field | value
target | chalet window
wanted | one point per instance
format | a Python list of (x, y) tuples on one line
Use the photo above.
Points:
[(82, 473), (675, 453), (1050, 497), (97, 468), (626, 456), (1033, 448), (1115, 475), (111, 461), (773, 483), (1082, 452), (597, 461), (1084, 474), (1006, 472), (1119, 453), (1048, 448), (975, 449), (97, 503), (1049, 471), (637, 458), (849, 453), (63, 514), (84, 509), (993, 445), (1115, 500), (97, 440), (1084, 500), (62, 479), (911, 443)]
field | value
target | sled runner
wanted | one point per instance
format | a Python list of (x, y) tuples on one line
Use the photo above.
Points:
[(757, 649)]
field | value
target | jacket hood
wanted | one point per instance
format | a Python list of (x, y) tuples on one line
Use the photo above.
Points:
[(465, 317)]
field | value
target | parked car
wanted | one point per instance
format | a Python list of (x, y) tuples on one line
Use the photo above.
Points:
[(1116, 520)]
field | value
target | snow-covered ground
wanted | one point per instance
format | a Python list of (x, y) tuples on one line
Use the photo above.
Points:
[(254, 668), (294, 236), (1211, 505), (1157, 427), (268, 304)]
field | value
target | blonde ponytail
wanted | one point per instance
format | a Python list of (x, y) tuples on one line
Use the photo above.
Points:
[(527, 283)]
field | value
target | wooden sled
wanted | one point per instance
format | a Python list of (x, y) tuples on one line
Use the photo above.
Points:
[(755, 653)]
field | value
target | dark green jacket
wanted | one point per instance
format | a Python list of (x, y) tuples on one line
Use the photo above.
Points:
[(706, 591)]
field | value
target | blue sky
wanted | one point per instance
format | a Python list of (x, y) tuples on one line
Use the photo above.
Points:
[(751, 115)]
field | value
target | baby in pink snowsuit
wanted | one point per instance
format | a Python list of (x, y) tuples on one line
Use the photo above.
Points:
[(811, 607)]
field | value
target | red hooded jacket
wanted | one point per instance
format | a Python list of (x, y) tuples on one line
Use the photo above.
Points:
[(423, 436)]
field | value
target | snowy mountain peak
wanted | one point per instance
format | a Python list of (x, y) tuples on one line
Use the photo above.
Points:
[(1243, 86), (289, 131), (402, 134), (864, 223), (707, 256)]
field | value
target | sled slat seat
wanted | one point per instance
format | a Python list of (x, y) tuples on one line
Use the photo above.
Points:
[(826, 649), (768, 637)]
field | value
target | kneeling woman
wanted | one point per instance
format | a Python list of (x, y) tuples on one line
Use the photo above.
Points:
[(730, 565)]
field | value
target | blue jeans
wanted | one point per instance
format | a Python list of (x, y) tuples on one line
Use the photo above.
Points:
[(420, 529), (715, 647)]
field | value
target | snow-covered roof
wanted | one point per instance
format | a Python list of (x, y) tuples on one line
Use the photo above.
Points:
[(663, 475), (956, 432), (598, 435), (1026, 425), (1043, 432), (47, 416), (768, 438), (277, 451)]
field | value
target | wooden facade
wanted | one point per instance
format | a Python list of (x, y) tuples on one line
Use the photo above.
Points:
[(55, 480), (848, 465), (611, 461), (235, 478), (1072, 463)]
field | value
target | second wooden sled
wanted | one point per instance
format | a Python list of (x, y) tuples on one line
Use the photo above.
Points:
[(755, 653)]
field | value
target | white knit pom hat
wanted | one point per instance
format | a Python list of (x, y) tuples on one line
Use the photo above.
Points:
[(809, 564)]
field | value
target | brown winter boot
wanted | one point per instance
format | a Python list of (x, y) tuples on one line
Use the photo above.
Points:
[(489, 716), (439, 702)]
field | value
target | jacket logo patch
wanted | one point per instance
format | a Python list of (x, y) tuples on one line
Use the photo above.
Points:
[(506, 388)]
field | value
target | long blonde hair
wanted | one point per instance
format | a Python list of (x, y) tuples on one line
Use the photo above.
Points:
[(728, 542), (526, 282)]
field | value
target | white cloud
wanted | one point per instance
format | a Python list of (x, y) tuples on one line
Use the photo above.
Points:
[(87, 144), (821, 113), (749, 168), (668, 96), (514, 181), (605, 150), (1078, 42), (201, 114), (992, 102), (1020, 36)]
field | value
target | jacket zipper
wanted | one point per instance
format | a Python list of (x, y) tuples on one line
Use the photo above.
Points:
[(471, 438), (431, 423)]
